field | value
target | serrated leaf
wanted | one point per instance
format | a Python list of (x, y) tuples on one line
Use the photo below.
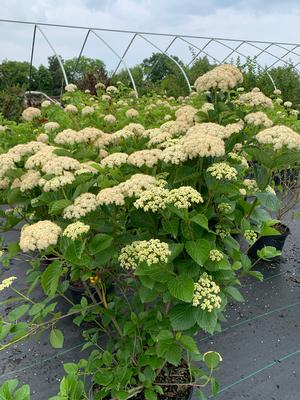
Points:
[(181, 287), (189, 344), (206, 320), (183, 317), (100, 242), (268, 200), (201, 220), (173, 354), (198, 250), (56, 207)]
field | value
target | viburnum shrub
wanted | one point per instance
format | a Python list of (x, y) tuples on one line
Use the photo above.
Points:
[(143, 211)]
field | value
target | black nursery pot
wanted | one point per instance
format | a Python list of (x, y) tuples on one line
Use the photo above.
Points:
[(276, 241), (77, 293)]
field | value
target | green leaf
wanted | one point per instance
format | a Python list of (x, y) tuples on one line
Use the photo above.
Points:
[(70, 368), (256, 274), (62, 152), (261, 156), (189, 344), (23, 393), (262, 176), (268, 200), (150, 394), (56, 338), (141, 219), (206, 320), (268, 252), (287, 159), (100, 242), (18, 312), (176, 249), (171, 226), (82, 188), (13, 249), (183, 317), (201, 220), (234, 293), (50, 278), (198, 250), (181, 287), (147, 295), (212, 359), (56, 207), (173, 354), (4, 330)]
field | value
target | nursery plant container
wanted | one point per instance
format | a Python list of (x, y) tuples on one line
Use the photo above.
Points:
[(276, 241), (77, 292), (170, 392)]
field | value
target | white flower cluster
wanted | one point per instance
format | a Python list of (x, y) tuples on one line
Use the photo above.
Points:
[(279, 136), (87, 110), (70, 87), (56, 183), (45, 103), (131, 113), (71, 137), (27, 181), (51, 126), (223, 77), (106, 98), (75, 230), (112, 90), (206, 293), (222, 170), (197, 144), (258, 118), (58, 164), (154, 199), (175, 128), (255, 98), (42, 137), (110, 119), (288, 104), (86, 168), (70, 108), (136, 128), (83, 204), (40, 158), (250, 235), (136, 184), (184, 197), (6, 283), (112, 195), (99, 85), (31, 113), (206, 107), (114, 160), (216, 255), (148, 158), (238, 158), (39, 236), (186, 114), (151, 252)]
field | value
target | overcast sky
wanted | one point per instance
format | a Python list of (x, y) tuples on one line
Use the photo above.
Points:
[(272, 20)]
